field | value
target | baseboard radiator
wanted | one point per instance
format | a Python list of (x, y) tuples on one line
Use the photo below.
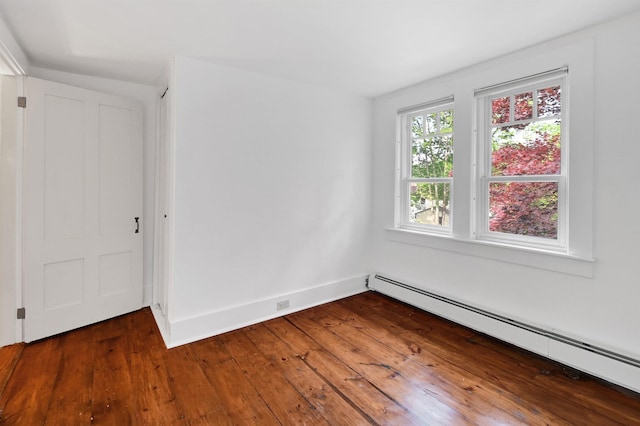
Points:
[(513, 331)]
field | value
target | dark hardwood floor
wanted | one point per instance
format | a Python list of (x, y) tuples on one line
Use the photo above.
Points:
[(362, 360)]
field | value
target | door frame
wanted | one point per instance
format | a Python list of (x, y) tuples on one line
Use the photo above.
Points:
[(164, 205), (20, 140), (17, 63)]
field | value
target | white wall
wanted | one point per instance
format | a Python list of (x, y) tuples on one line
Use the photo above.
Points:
[(147, 96), (603, 309), (272, 196), (8, 223)]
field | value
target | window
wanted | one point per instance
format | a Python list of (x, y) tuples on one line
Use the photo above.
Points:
[(522, 151), (426, 169), (520, 186)]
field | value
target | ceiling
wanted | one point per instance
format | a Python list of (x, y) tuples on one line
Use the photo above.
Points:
[(369, 47)]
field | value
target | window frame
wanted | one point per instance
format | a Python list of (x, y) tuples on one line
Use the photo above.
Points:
[(484, 177), (404, 167)]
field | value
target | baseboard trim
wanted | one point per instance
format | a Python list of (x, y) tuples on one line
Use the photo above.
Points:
[(187, 330)]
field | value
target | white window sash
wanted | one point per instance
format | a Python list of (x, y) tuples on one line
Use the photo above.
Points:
[(403, 167), (483, 173)]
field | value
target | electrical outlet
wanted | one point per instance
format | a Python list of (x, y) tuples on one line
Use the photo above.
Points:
[(283, 304)]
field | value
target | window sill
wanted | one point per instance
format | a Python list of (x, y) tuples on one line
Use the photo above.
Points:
[(536, 258)]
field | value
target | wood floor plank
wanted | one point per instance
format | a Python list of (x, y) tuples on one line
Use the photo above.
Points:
[(330, 403), (114, 327), (72, 391), (480, 400), (316, 389), (385, 375), (286, 402), (511, 368), (369, 400), (311, 381), (9, 356), (112, 388), (197, 401), (154, 399), (505, 374), (239, 399), (26, 397)]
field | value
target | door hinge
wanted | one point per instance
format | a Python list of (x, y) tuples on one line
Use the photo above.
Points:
[(22, 101), (22, 313)]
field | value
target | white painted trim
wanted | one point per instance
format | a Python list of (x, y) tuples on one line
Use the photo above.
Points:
[(171, 190), (535, 258), (9, 234), (611, 370), (11, 53), (12, 63), (156, 202), (202, 326), (162, 323), (147, 293), (20, 141), (598, 365), (164, 197)]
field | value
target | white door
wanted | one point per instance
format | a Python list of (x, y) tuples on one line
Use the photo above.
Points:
[(82, 208)]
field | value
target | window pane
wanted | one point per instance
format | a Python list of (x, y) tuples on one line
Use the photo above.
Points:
[(432, 157), (431, 123), (500, 110), (524, 208), (524, 106), (430, 203), (549, 101), (532, 149), (416, 127), (446, 121)]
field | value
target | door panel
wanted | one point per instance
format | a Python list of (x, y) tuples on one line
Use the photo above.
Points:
[(116, 153), (82, 191), (63, 284), (63, 168), (115, 273)]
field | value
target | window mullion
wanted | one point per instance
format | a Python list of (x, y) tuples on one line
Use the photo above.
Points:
[(524, 178), (512, 109), (429, 180)]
